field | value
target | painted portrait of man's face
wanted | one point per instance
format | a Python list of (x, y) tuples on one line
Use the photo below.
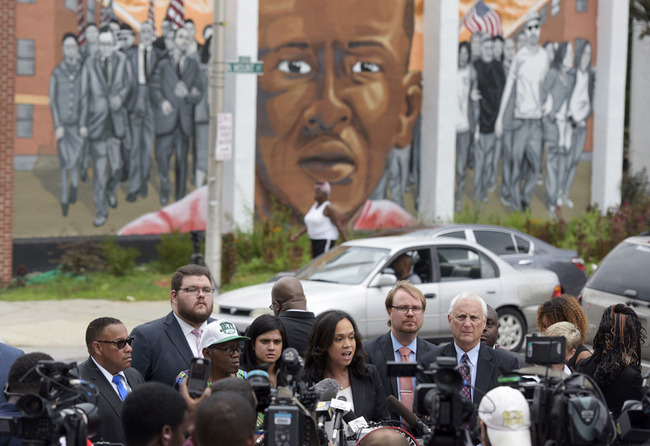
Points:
[(336, 96)]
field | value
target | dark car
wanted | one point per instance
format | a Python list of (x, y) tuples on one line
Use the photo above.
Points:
[(515, 247)]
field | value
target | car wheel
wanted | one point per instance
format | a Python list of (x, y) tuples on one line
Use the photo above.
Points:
[(512, 329)]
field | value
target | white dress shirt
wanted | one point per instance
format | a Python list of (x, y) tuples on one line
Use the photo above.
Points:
[(109, 377), (187, 332)]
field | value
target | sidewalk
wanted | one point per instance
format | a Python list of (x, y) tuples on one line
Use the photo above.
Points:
[(58, 327)]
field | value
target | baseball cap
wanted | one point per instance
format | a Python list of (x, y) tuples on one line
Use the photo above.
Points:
[(220, 331), (506, 414)]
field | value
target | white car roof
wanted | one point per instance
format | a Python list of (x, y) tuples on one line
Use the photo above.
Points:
[(399, 243), (639, 239)]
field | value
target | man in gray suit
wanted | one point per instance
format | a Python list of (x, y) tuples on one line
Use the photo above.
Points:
[(65, 102), (141, 113), (175, 89), (104, 87), (405, 305), (109, 369)]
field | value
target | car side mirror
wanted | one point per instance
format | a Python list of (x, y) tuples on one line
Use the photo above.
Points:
[(382, 280)]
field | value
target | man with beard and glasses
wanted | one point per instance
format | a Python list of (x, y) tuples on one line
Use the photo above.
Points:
[(405, 305), (166, 346)]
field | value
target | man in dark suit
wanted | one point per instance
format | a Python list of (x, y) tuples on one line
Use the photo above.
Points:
[(491, 334), (175, 89), (405, 305), (8, 355), (478, 363), (289, 303), (103, 118), (109, 370), (166, 346), (143, 58)]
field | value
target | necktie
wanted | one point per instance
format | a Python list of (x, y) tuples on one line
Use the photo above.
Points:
[(406, 382), (120, 387), (465, 373), (197, 332)]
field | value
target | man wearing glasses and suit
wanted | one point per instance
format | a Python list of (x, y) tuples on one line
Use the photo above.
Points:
[(405, 305), (109, 370), (166, 346)]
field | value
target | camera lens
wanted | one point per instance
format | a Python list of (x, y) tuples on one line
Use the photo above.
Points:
[(31, 406)]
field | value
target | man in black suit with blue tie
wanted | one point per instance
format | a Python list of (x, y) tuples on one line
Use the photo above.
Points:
[(405, 305), (478, 363), (109, 370), (165, 346)]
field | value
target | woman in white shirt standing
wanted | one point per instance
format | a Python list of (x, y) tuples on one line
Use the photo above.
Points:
[(322, 223)]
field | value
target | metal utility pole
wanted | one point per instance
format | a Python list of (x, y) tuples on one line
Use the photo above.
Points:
[(217, 79)]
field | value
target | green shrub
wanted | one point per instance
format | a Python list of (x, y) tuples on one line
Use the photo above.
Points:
[(81, 256), (174, 250), (120, 260)]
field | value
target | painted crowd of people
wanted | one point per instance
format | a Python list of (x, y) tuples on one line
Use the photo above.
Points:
[(515, 99), (115, 102)]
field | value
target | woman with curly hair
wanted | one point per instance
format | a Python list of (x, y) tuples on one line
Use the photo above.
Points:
[(336, 351), (565, 308), (268, 340), (616, 362)]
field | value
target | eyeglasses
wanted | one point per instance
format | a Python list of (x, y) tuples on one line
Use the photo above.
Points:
[(119, 344), (230, 351), (195, 290), (532, 27), (273, 304), (404, 309)]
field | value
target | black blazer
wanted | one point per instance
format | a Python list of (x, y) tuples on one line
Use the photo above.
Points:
[(487, 368), (628, 385), (160, 350), (108, 402), (380, 350), (298, 326), (368, 395)]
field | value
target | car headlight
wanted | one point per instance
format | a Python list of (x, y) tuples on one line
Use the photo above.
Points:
[(260, 311)]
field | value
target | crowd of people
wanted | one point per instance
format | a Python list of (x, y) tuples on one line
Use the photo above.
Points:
[(517, 97), (110, 96), (142, 377)]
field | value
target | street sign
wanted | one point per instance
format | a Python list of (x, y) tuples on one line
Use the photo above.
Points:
[(223, 150), (245, 66)]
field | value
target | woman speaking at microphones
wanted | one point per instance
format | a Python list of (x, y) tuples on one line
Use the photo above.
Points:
[(335, 351)]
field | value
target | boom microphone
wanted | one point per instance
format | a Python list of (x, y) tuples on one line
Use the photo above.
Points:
[(327, 384), (408, 416)]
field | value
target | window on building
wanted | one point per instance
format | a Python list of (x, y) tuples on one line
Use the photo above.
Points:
[(555, 7), (543, 15), (26, 1), (25, 121), (25, 57), (71, 5), (581, 5)]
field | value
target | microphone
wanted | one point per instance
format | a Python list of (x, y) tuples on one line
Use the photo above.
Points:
[(327, 384), (323, 409), (337, 418), (356, 423), (293, 362), (408, 416)]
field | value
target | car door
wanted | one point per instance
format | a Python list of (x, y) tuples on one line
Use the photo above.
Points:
[(376, 296), (461, 268)]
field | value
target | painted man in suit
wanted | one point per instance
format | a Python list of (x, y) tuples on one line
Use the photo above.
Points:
[(103, 119), (478, 363), (8, 355), (175, 89), (142, 59), (289, 303), (65, 104), (405, 305), (109, 369), (166, 346)]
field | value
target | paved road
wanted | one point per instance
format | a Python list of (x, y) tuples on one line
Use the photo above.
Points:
[(58, 327)]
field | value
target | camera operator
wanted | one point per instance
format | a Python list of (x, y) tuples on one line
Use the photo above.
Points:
[(21, 380), (154, 415), (224, 418), (504, 417)]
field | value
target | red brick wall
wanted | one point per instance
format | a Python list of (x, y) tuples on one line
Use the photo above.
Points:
[(7, 131)]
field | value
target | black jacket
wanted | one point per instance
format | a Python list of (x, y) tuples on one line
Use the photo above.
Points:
[(298, 326)]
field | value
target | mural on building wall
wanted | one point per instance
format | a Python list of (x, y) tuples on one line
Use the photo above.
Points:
[(340, 102), (523, 108)]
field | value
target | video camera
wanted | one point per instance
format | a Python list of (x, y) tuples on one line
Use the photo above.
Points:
[(633, 424), (440, 400), (57, 411)]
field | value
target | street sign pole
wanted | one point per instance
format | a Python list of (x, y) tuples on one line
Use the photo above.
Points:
[(217, 79)]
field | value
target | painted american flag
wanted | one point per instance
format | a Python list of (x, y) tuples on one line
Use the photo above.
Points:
[(483, 18), (81, 23), (150, 16), (106, 13), (176, 13)]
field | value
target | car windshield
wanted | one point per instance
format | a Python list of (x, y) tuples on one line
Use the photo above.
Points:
[(625, 268), (343, 264)]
